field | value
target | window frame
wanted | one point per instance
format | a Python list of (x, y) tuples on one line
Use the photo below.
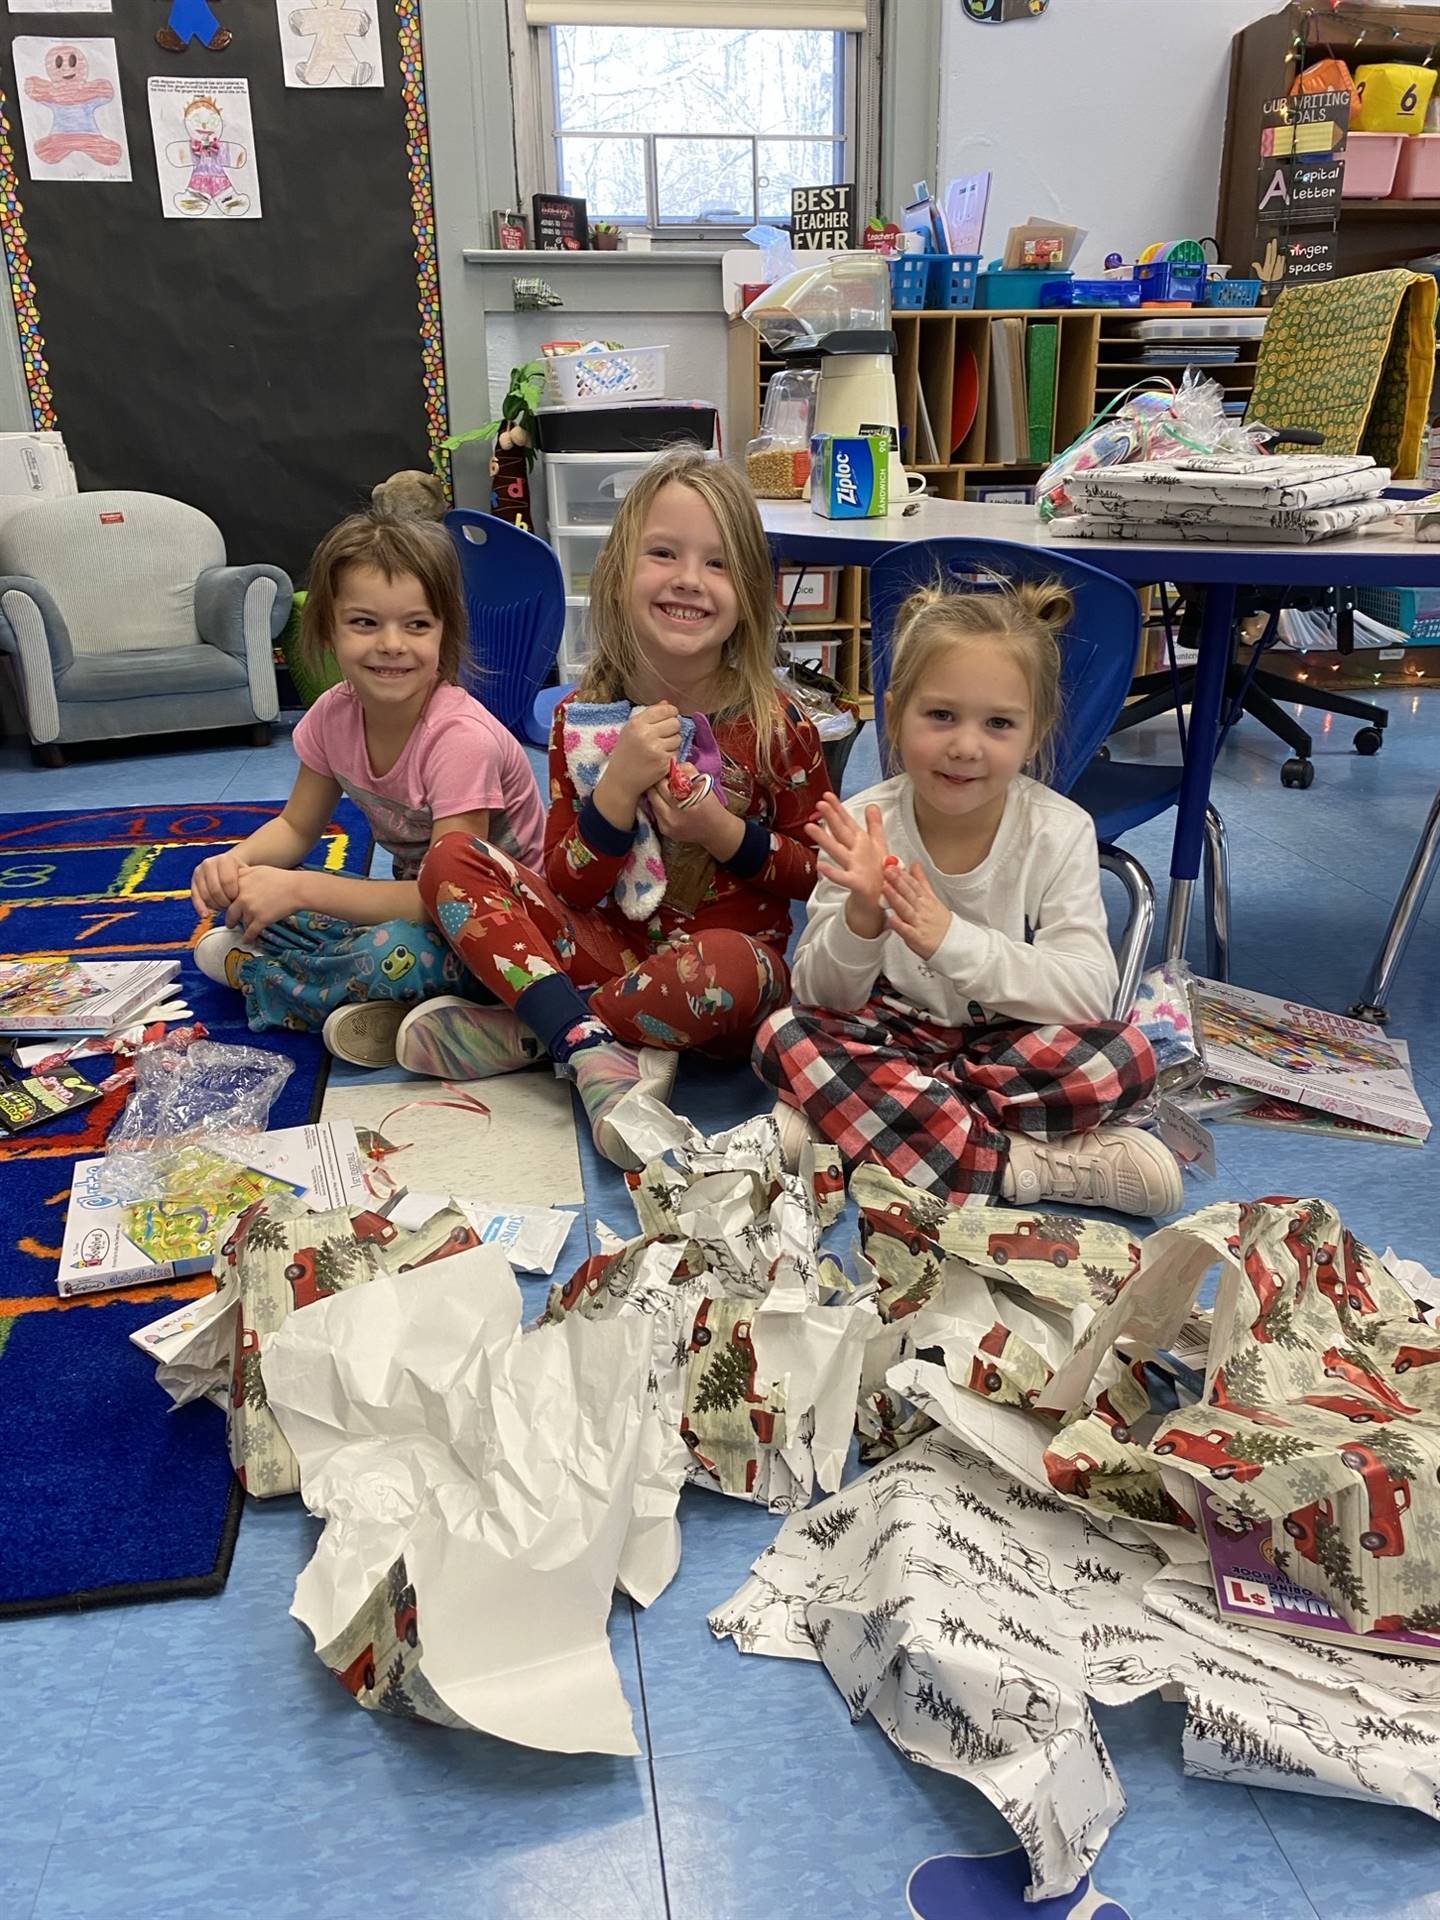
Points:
[(537, 137)]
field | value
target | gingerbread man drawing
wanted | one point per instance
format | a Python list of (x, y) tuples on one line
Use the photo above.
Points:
[(331, 23), (74, 99), (208, 157)]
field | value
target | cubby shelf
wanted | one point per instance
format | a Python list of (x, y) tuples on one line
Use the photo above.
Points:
[(1093, 371)]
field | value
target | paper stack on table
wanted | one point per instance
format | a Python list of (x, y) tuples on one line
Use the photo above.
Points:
[(1289, 500)]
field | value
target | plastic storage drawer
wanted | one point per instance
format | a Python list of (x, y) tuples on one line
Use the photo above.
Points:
[(585, 489)]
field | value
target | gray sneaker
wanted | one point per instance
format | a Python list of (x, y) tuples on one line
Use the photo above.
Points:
[(364, 1032)]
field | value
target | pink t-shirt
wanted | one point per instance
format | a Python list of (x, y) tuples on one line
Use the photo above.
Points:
[(459, 759)]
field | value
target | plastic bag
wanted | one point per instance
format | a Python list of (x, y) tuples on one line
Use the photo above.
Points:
[(206, 1092), (777, 255), (1152, 421)]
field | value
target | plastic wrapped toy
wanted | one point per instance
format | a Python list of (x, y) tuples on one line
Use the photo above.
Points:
[(1153, 420)]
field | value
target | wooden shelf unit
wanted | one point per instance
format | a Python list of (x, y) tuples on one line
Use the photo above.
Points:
[(1263, 63), (1095, 365)]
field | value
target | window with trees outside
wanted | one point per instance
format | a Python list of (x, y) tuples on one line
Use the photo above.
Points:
[(698, 129)]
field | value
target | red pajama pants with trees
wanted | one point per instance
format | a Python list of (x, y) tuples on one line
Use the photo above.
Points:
[(709, 989), (933, 1104)]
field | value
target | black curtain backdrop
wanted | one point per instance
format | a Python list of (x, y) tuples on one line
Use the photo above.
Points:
[(266, 371)]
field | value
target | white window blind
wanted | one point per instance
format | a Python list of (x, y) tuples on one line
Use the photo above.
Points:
[(838, 16)]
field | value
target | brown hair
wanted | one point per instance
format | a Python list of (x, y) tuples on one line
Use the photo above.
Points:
[(1026, 616), (747, 672), (393, 544)]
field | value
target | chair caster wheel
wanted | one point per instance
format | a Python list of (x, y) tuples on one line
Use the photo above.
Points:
[(1298, 773), (1377, 1016), (1102, 753), (1369, 740)]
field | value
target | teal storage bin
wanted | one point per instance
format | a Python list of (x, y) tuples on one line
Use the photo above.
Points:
[(1015, 286)]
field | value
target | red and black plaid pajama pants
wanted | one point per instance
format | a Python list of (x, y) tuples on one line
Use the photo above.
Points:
[(933, 1104)]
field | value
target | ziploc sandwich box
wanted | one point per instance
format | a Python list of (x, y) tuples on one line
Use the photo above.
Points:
[(850, 476)]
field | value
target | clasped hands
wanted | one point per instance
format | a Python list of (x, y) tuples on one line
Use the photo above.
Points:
[(885, 894), (250, 898)]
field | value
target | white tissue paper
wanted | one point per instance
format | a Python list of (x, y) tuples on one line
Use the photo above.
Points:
[(482, 1489)]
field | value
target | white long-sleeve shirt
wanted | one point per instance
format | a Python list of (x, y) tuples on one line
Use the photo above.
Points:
[(1027, 938)]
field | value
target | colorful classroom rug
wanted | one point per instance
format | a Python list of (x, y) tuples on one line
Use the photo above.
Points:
[(106, 1495)]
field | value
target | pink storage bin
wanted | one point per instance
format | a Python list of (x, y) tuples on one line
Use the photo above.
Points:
[(1418, 175), (1370, 163)]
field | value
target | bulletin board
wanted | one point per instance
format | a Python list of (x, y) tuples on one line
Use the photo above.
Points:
[(268, 370)]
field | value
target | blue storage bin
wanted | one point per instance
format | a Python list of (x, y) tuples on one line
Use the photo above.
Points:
[(1015, 286), (952, 279), (1170, 280), (1234, 293), (1090, 293), (909, 279)]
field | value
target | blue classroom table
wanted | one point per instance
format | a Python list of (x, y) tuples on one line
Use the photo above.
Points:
[(1370, 559)]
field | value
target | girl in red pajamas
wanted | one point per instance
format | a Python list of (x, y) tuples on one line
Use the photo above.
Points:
[(954, 985), (654, 927)]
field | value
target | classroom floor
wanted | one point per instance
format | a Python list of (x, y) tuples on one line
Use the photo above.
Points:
[(194, 1758)]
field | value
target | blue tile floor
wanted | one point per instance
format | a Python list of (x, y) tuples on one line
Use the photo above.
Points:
[(193, 1758)]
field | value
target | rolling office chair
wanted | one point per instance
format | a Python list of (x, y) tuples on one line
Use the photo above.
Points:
[(1099, 650), (515, 598)]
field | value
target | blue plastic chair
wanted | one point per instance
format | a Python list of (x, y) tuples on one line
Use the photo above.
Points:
[(515, 598), (1099, 648)]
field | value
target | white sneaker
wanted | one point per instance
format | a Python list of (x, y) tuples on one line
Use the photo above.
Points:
[(213, 955), (795, 1130), (1123, 1168), (363, 1032)]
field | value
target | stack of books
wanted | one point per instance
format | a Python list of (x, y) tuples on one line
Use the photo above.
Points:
[(1275, 1062), (68, 1000)]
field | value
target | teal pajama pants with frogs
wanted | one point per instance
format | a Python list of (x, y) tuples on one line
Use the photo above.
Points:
[(312, 963)]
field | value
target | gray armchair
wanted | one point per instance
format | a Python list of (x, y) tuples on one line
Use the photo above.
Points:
[(119, 617)]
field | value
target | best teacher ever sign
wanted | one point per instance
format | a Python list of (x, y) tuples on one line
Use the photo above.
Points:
[(822, 219)]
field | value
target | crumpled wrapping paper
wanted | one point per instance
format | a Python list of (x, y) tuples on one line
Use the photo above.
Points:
[(757, 1347), (1030, 1546), (483, 1492), (279, 1258), (975, 1615), (1321, 1407)]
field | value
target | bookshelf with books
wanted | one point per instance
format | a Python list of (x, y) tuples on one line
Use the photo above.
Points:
[(1094, 356)]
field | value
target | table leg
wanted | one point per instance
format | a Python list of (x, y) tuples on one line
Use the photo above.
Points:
[(1411, 898), (1217, 640)]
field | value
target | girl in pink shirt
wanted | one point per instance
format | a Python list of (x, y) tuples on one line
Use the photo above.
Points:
[(416, 753)]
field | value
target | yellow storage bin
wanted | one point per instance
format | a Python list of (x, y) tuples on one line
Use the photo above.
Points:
[(1392, 98)]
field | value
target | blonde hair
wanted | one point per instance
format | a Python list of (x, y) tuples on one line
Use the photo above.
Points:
[(393, 544), (747, 671), (1025, 616)]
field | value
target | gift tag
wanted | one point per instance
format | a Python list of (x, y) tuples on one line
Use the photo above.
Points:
[(1191, 1143)]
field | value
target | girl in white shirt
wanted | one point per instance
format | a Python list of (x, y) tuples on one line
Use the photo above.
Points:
[(954, 986)]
